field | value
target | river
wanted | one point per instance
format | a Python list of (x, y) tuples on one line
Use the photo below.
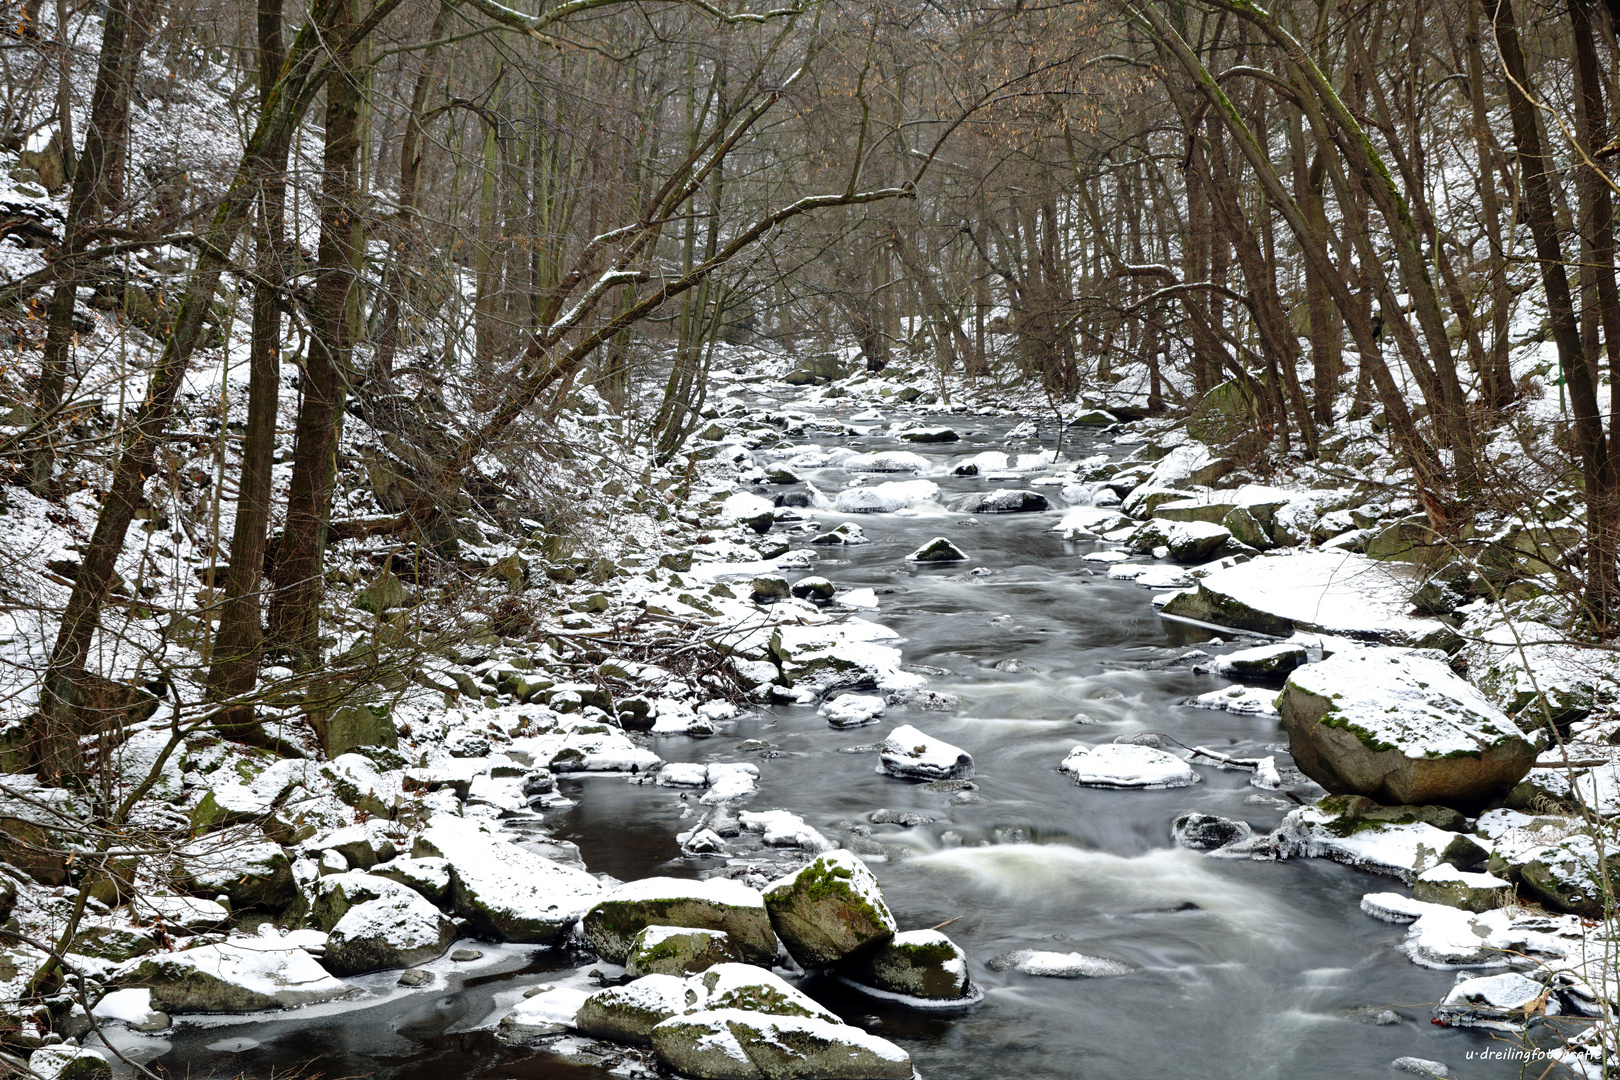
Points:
[(1244, 970)]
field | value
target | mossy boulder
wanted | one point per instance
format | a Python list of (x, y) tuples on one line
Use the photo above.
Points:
[(628, 1013), (729, 1044), (1447, 885), (228, 978), (613, 923), (829, 909), (69, 1063), (678, 950), (1400, 728), (916, 963)]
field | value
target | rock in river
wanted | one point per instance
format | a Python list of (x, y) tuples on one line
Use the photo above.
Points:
[(231, 978), (853, 710), (1121, 765), (938, 549), (715, 904), (1400, 728), (398, 931), (918, 963), (1001, 501), (731, 1044), (908, 752), (503, 891), (829, 909), (1206, 832), (677, 950)]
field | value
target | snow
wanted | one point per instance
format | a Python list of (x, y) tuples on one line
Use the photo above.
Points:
[(715, 890), (908, 752), (1401, 700), (888, 461), (1399, 850), (729, 781), (130, 1006), (1123, 765), (1245, 700), (744, 505)]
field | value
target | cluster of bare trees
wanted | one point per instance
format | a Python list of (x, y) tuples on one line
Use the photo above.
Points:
[(1326, 208)]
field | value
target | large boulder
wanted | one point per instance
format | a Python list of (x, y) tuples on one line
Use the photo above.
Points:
[(503, 891), (1318, 591), (731, 1044), (613, 923), (1400, 728), (231, 978), (380, 935), (1195, 541), (331, 897), (677, 950), (829, 909), (917, 963)]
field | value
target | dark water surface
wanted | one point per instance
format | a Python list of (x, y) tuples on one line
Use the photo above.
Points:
[(1245, 970)]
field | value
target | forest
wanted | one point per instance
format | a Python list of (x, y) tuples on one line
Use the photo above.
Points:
[(468, 473)]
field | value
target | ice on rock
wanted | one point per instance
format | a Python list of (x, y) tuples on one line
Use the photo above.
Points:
[(885, 498), (683, 774), (1503, 1002), (729, 781), (546, 1012), (852, 710), (907, 752), (780, 828), (1123, 765), (1056, 965), (1110, 556), (1424, 1067), (1244, 700), (1399, 849), (889, 461)]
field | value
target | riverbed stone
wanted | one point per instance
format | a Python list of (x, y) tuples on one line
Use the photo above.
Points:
[(1262, 662), (613, 923), (69, 1063), (1400, 728), (829, 909), (394, 932), (1194, 541), (331, 897), (678, 950), (917, 963), (1122, 765)]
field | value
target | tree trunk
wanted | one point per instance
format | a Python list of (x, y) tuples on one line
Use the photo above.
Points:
[(239, 641), (299, 586)]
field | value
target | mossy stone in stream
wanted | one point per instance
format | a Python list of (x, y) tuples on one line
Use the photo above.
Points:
[(678, 950), (628, 1013), (830, 909), (613, 923), (917, 963)]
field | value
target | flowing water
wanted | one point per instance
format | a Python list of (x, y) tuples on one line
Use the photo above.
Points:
[(1244, 970)]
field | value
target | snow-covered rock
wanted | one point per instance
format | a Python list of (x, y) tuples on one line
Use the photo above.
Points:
[(910, 753), (1001, 501), (733, 1044), (397, 931), (780, 828), (1400, 728), (921, 964), (504, 891), (852, 710), (612, 924), (938, 550), (885, 498), (1456, 888), (1262, 662), (677, 950), (231, 977), (1056, 965), (1123, 765)]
